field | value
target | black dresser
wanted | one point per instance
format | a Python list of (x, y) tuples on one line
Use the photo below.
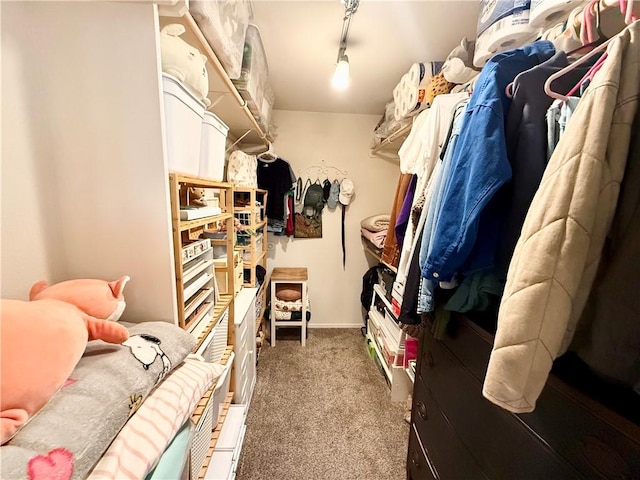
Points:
[(457, 434)]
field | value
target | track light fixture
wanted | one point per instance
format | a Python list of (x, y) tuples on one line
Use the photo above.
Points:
[(340, 80)]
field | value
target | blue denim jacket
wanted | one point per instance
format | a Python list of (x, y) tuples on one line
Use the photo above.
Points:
[(479, 167), (428, 286)]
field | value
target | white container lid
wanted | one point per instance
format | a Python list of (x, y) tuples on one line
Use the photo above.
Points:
[(220, 466), (172, 86), (212, 119), (232, 428)]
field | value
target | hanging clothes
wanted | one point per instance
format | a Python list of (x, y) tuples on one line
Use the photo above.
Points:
[(479, 168), (402, 219), (608, 334), (425, 302), (275, 177), (558, 253), (430, 137), (526, 137), (391, 250), (558, 116)]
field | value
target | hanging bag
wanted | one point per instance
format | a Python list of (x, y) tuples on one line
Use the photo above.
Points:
[(242, 170)]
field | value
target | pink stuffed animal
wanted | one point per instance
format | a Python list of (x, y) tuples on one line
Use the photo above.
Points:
[(42, 340)]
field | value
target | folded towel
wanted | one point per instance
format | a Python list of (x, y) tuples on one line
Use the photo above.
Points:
[(376, 238), (376, 223)]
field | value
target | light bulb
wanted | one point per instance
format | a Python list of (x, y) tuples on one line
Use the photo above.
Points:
[(340, 80)]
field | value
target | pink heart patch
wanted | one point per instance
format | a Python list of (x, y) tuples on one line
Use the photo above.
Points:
[(56, 465)]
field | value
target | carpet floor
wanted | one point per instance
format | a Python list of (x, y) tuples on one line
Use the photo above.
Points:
[(322, 412)]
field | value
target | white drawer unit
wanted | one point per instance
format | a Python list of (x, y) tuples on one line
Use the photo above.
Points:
[(244, 345), (224, 460), (222, 466), (233, 431)]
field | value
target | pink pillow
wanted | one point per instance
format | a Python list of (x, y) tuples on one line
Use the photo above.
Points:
[(289, 292)]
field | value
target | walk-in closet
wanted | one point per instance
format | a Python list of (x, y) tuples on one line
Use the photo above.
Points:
[(320, 240)]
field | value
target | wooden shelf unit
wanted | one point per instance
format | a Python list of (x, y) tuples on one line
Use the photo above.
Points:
[(226, 101), (186, 231), (253, 217)]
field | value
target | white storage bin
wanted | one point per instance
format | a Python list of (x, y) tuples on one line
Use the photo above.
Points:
[(221, 390), (183, 115), (214, 139), (202, 438), (215, 344)]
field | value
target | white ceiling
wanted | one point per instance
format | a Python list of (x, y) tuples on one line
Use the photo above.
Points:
[(301, 39)]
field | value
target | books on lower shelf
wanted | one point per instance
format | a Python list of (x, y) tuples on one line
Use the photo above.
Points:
[(194, 213)]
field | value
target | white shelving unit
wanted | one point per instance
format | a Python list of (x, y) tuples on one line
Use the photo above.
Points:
[(387, 340), (227, 102), (388, 148)]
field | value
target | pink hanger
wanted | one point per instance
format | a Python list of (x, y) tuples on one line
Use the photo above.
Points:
[(586, 32), (552, 78), (509, 90), (590, 74), (626, 8), (629, 16)]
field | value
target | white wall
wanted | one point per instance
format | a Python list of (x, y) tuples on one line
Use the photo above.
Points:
[(304, 139), (25, 195), (84, 176)]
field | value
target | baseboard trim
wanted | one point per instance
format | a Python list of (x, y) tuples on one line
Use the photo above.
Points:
[(335, 325)]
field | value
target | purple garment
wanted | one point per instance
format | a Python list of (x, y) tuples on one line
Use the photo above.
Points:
[(402, 219)]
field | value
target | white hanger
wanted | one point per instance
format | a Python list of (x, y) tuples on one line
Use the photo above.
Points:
[(269, 155)]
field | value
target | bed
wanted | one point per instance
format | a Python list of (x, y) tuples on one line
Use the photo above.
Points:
[(121, 408)]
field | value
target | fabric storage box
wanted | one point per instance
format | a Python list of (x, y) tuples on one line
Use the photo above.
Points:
[(214, 139), (255, 71), (224, 24), (183, 115)]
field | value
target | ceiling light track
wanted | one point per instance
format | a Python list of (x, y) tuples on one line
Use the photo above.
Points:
[(341, 75)]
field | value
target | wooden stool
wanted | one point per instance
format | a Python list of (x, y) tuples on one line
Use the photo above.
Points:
[(289, 275)]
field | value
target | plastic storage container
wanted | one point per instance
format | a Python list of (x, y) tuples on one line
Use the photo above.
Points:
[(214, 139), (202, 436), (224, 25), (255, 71), (214, 346), (221, 390), (183, 115)]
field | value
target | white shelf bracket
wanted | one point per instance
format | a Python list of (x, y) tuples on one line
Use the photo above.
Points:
[(238, 140)]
